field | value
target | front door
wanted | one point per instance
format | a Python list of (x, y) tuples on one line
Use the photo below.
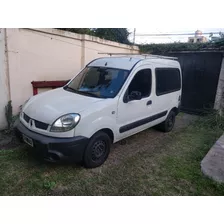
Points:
[(132, 115)]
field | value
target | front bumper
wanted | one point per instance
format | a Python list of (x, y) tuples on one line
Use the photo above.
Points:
[(54, 149)]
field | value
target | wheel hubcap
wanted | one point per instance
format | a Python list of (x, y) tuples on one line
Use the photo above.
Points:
[(99, 150)]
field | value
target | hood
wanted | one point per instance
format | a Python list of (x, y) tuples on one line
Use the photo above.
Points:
[(50, 105)]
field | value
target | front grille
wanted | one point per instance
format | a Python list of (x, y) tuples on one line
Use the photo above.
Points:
[(41, 125), (38, 124), (26, 117)]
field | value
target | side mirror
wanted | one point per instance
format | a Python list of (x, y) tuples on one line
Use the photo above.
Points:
[(135, 95)]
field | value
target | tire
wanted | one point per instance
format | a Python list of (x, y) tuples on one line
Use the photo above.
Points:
[(97, 150), (168, 124)]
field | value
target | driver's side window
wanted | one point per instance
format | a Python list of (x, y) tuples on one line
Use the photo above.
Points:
[(142, 82)]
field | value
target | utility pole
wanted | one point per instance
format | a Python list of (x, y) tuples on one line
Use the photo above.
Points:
[(134, 36)]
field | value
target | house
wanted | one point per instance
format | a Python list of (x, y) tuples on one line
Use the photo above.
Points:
[(198, 38)]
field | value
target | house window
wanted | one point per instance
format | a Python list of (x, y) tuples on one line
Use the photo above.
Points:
[(167, 80)]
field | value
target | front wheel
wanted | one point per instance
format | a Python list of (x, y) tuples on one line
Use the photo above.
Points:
[(168, 124), (97, 150)]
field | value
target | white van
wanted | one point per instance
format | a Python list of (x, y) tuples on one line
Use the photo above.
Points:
[(111, 99)]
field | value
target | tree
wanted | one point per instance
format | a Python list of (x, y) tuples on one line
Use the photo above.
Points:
[(78, 30), (215, 39), (114, 34)]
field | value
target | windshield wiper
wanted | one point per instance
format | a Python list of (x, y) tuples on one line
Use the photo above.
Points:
[(88, 93), (81, 92), (71, 89)]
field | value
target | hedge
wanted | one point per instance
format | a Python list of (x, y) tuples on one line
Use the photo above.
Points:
[(175, 47)]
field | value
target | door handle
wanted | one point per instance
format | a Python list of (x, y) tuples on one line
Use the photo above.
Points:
[(149, 102)]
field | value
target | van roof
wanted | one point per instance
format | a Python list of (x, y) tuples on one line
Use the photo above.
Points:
[(128, 62)]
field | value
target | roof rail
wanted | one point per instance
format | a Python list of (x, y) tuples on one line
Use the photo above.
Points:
[(145, 55)]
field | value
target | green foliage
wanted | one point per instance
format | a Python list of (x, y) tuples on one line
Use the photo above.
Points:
[(114, 34), (9, 116), (175, 47), (78, 30), (49, 185), (212, 119)]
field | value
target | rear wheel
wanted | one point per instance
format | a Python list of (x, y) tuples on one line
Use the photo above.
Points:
[(97, 150), (168, 124)]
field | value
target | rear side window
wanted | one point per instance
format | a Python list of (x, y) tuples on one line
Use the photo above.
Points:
[(167, 80)]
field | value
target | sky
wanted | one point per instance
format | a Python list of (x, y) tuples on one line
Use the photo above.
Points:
[(167, 39)]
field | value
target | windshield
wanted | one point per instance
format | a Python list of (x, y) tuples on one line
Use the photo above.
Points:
[(98, 82)]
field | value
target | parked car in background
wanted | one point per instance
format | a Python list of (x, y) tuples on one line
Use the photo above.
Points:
[(111, 99)]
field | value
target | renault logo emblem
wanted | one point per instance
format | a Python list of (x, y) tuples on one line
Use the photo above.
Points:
[(31, 123)]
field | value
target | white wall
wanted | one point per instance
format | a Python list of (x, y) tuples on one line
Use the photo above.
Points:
[(35, 56), (48, 55), (3, 80)]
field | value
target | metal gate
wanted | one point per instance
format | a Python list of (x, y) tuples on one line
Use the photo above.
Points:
[(200, 79)]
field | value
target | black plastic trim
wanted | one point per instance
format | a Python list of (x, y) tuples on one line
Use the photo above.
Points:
[(149, 102), (38, 124), (68, 148), (142, 122)]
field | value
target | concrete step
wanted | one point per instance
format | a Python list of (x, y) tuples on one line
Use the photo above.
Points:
[(213, 163)]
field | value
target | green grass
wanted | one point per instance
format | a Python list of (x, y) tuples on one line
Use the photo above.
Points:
[(173, 168)]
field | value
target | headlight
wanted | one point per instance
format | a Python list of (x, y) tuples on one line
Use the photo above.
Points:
[(65, 123)]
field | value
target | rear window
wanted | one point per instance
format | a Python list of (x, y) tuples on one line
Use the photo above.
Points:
[(167, 80)]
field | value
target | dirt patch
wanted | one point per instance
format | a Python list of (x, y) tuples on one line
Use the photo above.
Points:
[(59, 190), (147, 140), (8, 140), (183, 120)]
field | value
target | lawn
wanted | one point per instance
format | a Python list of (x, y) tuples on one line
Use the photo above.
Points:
[(171, 168)]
